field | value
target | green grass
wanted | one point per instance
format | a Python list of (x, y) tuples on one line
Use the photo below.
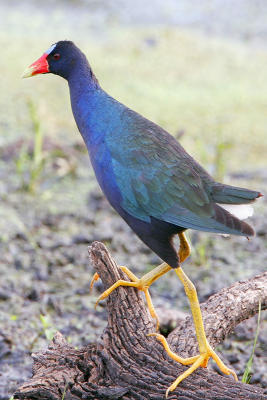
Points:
[(64, 392), (48, 329), (38, 158), (30, 166), (247, 373)]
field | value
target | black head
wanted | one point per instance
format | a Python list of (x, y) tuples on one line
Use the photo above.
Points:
[(62, 58)]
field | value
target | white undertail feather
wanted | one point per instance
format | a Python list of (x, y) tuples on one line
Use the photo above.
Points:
[(241, 211)]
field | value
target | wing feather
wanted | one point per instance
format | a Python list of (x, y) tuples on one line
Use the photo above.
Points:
[(158, 178)]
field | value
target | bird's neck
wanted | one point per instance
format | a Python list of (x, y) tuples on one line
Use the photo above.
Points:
[(84, 90), (82, 77)]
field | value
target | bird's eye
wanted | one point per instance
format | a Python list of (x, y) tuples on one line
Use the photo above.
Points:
[(56, 56)]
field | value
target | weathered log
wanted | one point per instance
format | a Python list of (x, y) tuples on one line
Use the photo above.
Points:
[(127, 364)]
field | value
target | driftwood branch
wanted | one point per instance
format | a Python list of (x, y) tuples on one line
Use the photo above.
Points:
[(127, 364)]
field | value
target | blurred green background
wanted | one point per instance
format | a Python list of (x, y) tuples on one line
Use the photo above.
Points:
[(212, 86), (198, 69)]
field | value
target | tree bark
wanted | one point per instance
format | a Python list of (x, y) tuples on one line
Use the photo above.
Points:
[(127, 364)]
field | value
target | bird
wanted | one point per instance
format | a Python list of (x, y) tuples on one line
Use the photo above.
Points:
[(152, 183)]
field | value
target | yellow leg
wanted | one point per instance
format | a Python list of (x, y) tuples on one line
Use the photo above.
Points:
[(205, 350), (141, 284), (144, 283), (174, 356), (184, 249), (151, 307)]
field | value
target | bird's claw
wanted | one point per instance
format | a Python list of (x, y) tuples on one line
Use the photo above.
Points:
[(200, 360), (136, 283), (94, 279)]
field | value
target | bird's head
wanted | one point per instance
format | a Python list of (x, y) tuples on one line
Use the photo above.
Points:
[(60, 59)]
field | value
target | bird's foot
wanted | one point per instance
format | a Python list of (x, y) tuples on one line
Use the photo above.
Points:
[(94, 279), (140, 284), (200, 360)]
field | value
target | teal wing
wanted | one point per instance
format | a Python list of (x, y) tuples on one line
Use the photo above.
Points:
[(157, 178)]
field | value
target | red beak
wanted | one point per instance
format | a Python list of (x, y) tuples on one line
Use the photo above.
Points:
[(38, 67)]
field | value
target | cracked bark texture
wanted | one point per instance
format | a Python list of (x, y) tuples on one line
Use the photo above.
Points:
[(127, 364)]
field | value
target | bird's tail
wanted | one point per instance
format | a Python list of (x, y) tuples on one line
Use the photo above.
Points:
[(226, 194), (231, 223), (227, 216), (234, 206)]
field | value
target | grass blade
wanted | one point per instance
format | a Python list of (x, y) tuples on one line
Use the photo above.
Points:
[(247, 373)]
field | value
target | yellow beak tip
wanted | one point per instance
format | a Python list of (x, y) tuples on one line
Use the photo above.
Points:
[(28, 72)]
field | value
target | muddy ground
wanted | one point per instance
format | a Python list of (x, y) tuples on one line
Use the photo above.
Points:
[(45, 269)]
